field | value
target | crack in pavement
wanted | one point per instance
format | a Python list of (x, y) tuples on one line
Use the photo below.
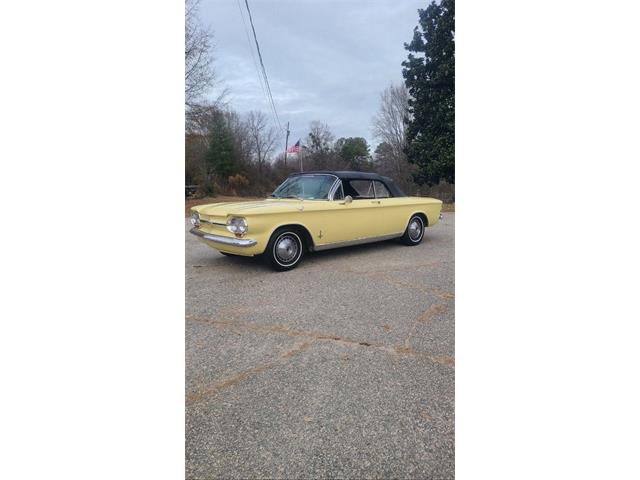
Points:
[(405, 350), (215, 388), (426, 317), (399, 283)]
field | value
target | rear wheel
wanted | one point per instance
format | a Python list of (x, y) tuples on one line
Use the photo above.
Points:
[(414, 233), (285, 249)]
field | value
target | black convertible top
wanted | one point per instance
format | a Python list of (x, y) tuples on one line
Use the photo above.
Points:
[(352, 175)]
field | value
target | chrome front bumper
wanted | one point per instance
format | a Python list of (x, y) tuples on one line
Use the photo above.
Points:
[(234, 242)]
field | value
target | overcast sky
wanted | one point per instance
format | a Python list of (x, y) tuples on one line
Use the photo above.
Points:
[(326, 60)]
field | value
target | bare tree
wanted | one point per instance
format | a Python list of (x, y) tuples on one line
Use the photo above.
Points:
[(198, 74), (318, 153), (320, 137), (262, 136), (242, 138), (199, 117), (390, 122)]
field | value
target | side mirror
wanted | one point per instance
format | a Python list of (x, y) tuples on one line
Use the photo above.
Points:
[(347, 200)]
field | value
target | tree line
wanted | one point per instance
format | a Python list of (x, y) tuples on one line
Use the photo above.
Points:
[(231, 153)]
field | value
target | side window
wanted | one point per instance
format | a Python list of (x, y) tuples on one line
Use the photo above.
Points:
[(381, 190), (339, 193), (363, 188)]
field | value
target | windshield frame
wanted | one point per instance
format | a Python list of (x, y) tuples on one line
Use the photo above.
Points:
[(330, 192)]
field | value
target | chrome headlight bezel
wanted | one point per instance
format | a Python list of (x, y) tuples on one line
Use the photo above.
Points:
[(237, 225), (195, 219)]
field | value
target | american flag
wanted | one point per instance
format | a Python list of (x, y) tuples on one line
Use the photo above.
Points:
[(295, 148)]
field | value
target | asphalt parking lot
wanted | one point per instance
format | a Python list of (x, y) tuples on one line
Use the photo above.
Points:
[(342, 367)]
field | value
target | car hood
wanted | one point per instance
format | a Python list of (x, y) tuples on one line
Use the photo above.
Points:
[(270, 205)]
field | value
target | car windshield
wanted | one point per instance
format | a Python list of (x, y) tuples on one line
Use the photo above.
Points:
[(307, 187)]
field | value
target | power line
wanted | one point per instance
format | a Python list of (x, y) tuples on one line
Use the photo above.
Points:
[(253, 57), (264, 72)]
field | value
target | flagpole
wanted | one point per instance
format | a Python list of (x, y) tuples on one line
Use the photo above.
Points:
[(286, 145)]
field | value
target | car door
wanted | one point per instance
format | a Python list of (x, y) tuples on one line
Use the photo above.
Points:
[(390, 215), (344, 222), (366, 210)]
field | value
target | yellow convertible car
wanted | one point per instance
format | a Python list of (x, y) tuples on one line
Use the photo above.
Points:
[(313, 211)]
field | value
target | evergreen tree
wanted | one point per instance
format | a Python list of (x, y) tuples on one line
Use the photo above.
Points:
[(354, 152), (430, 78), (220, 161)]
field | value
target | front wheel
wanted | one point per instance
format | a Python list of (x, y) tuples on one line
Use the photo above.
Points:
[(414, 233), (285, 249)]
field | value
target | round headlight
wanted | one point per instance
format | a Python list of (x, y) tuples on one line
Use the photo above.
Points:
[(237, 225), (195, 219), (242, 226)]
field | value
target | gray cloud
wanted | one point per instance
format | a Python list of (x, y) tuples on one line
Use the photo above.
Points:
[(327, 60)]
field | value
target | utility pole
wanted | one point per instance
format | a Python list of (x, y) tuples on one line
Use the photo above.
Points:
[(286, 145)]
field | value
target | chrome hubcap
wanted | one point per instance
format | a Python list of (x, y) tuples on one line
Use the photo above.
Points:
[(415, 229), (286, 248)]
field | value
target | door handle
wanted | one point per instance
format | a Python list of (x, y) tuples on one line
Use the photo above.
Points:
[(375, 201)]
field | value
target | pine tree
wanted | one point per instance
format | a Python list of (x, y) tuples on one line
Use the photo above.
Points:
[(430, 79), (220, 161)]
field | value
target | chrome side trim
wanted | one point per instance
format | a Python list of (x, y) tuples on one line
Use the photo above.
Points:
[(358, 241), (234, 242)]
